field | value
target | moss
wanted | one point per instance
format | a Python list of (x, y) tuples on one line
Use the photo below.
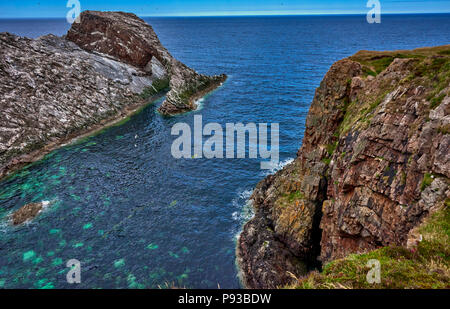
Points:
[(157, 86), (427, 181), (327, 161), (428, 266), (360, 113), (381, 64), (191, 90), (368, 71), (331, 148), (436, 101), (297, 195)]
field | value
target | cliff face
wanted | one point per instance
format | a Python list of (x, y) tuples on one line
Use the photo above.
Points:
[(373, 164), (131, 40), (53, 89)]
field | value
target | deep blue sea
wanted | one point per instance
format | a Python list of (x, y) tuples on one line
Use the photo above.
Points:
[(134, 216)]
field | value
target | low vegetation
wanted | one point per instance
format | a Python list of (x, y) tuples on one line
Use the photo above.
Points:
[(426, 182), (430, 69), (425, 266), (157, 86)]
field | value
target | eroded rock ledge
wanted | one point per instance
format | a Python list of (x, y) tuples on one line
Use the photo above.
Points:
[(53, 89), (374, 163)]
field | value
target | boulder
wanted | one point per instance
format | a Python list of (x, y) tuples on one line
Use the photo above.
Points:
[(26, 213)]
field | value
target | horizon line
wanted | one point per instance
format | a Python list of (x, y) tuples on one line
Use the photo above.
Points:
[(250, 15)]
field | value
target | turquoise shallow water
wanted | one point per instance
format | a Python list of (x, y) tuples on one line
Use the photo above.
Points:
[(137, 218)]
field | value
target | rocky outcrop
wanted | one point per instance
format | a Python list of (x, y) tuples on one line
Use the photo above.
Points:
[(53, 89), (373, 164), (26, 213), (131, 40)]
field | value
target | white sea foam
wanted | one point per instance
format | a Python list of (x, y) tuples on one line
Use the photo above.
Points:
[(277, 166), (200, 103), (4, 226), (244, 210)]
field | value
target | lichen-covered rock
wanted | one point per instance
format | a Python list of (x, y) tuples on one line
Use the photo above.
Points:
[(129, 39), (374, 163), (51, 90)]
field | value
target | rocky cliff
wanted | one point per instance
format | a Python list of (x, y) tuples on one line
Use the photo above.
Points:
[(53, 89), (131, 40), (374, 163)]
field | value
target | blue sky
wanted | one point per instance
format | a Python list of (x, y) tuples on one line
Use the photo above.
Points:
[(57, 8)]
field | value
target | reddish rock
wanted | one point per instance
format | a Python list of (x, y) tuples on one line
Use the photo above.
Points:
[(374, 163), (121, 35), (129, 39)]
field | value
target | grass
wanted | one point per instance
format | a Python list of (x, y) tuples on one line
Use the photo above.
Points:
[(381, 64), (373, 63), (444, 52), (427, 181), (430, 68), (359, 113), (426, 267), (436, 101)]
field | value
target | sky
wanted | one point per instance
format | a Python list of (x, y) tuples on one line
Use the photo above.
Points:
[(58, 8)]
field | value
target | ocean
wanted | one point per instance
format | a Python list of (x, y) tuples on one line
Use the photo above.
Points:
[(134, 216)]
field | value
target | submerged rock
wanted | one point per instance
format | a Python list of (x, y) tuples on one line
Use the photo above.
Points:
[(26, 213), (54, 88), (374, 163)]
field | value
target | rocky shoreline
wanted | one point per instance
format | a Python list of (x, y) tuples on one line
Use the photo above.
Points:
[(373, 165), (54, 89), (23, 160)]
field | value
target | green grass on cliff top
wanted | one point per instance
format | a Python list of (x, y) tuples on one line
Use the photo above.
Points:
[(374, 62), (426, 267), (431, 70)]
